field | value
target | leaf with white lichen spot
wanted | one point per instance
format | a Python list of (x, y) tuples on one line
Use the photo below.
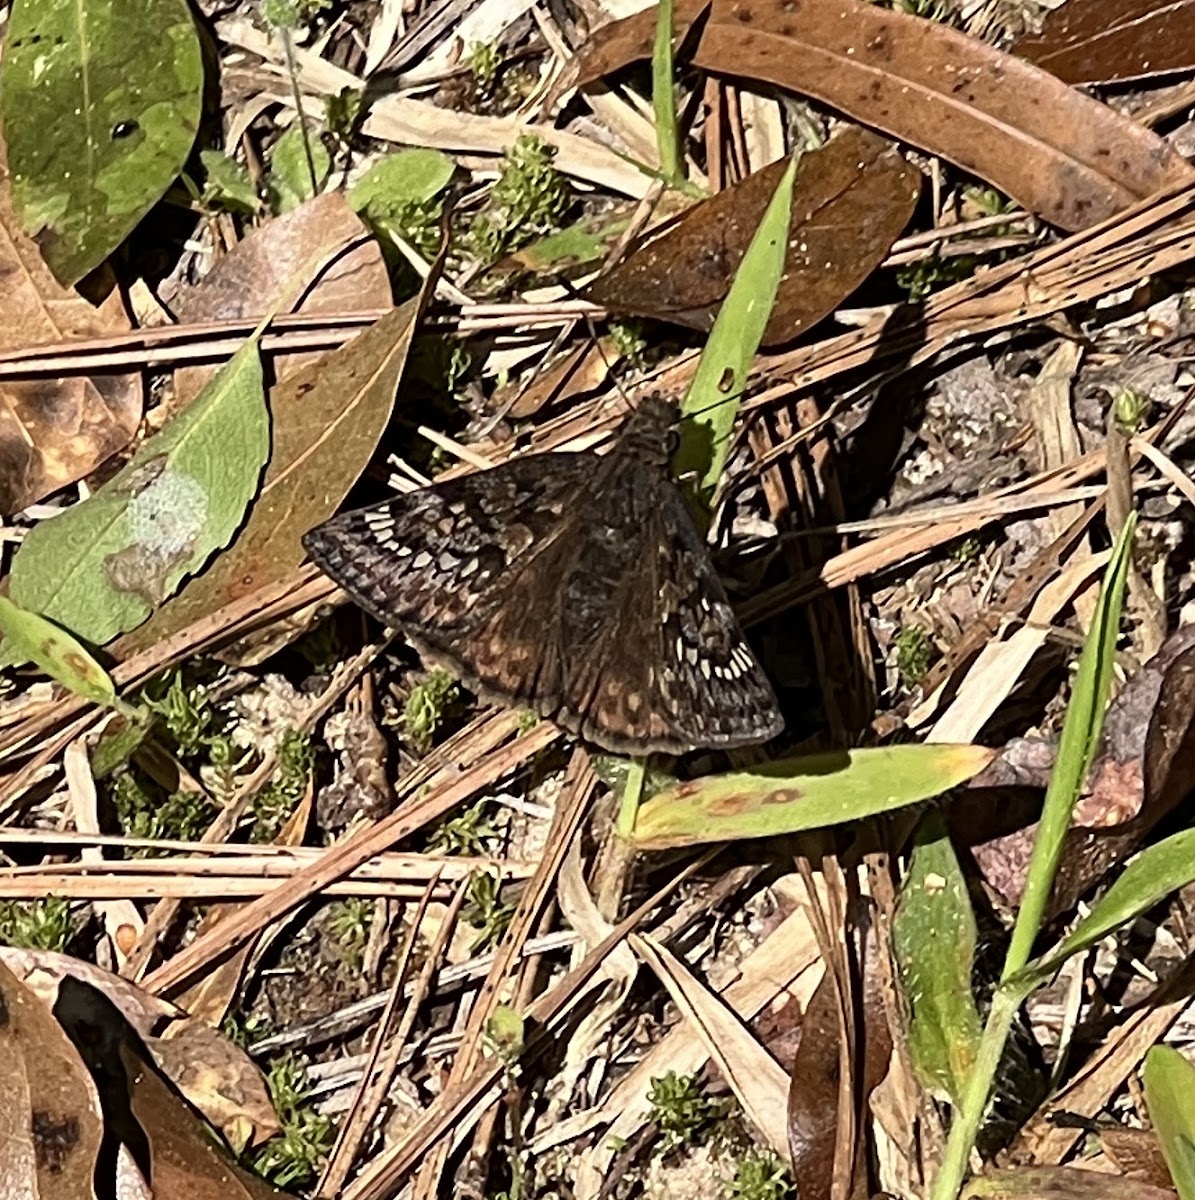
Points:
[(102, 566)]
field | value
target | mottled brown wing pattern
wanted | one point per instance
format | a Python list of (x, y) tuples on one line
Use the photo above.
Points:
[(573, 583), (437, 562), (669, 669)]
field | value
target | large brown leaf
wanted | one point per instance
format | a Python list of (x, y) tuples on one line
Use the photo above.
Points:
[(852, 199), (302, 262), (1102, 41), (54, 431), (1061, 154), (50, 1125)]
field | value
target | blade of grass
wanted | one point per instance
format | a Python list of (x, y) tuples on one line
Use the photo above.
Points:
[(1170, 1094), (712, 401), (1080, 731), (663, 97)]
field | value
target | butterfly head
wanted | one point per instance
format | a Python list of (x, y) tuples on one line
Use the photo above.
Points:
[(650, 433)]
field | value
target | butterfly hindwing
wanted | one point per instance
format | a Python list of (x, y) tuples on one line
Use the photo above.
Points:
[(660, 663)]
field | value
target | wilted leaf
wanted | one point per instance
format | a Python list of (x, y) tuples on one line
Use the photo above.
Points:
[(54, 431), (811, 792), (105, 564), (101, 103), (299, 168), (1059, 153), (1170, 1093), (933, 937), (270, 270), (1104, 41), (185, 1161), (50, 1125), (326, 422), (852, 199), (813, 1094), (219, 1079), (35, 639)]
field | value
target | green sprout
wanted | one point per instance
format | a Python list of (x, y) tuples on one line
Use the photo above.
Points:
[(528, 199), (759, 1175), (1131, 410), (185, 710), (275, 802), (36, 924), (348, 922), (470, 832), (679, 1109), (424, 710), (486, 910), (144, 813), (296, 1154), (912, 654), (483, 60)]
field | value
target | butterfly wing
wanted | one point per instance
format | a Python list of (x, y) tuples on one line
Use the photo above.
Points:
[(451, 565), (666, 667)]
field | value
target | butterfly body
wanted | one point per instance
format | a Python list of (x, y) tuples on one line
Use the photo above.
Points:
[(575, 584)]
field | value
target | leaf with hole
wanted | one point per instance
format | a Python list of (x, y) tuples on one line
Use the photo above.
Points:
[(101, 103)]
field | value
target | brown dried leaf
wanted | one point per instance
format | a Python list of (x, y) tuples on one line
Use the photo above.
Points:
[(272, 268), (1144, 768), (1059, 153), (42, 971), (50, 1124), (813, 1096), (54, 431), (1060, 1183), (1103, 41), (185, 1162), (326, 421), (219, 1079), (628, 40), (852, 199), (1137, 1153)]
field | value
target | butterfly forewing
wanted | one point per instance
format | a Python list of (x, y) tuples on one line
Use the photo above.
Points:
[(437, 561)]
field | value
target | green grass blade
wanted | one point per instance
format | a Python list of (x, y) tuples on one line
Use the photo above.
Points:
[(1170, 1094), (663, 97), (712, 401)]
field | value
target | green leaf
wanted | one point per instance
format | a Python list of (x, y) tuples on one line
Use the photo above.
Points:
[(1170, 1095), (811, 792), (712, 401), (934, 935), (407, 177), (1153, 875), (101, 102), (291, 182), (1076, 746), (327, 419), (55, 652), (104, 565), (227, 183)]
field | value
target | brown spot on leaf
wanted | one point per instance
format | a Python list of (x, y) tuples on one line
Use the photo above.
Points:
[(782, 796), (54, 1138), (729, 806)]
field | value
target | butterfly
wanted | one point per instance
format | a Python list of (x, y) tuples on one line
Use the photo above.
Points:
[(572, 583)]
